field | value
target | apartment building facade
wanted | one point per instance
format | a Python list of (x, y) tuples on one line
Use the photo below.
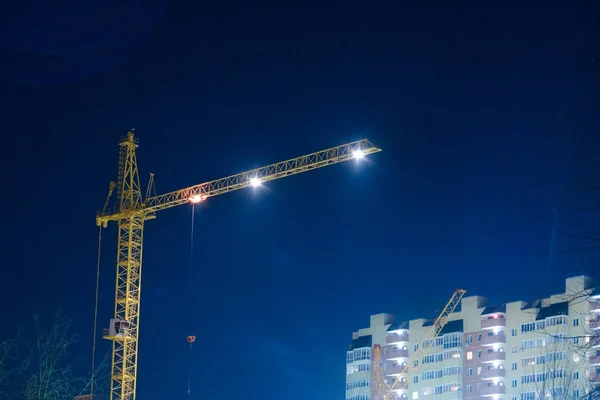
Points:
[(359, 357), (545, 348)]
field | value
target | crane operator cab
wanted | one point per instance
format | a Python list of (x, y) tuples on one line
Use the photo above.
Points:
[(118, 328)]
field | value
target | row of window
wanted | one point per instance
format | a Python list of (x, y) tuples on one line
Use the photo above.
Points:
[(358, 384), (542, 359), (364, 353), (530, 343), (543, 376), (439, 341), (362, 367), (533, 343), (525, 379), (446, 355), (550, 321), (359, 397), (546, 341), (448, 371), (529, 361), (554, 392), (448, 341)]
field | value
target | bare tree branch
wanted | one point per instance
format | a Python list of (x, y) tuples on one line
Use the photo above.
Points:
[(52, 375), (11, 366), (565, 367), (46, 368)]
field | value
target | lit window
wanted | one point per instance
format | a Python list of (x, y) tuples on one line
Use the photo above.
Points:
[(469, 355)]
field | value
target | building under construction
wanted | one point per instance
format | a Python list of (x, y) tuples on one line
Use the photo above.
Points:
[(483, 351)]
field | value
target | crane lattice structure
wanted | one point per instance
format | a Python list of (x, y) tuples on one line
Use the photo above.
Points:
[(133, 210), (378, 386), (386, 391)]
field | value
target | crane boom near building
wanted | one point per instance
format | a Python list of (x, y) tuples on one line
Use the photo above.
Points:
[(380, 390), (133, 210)]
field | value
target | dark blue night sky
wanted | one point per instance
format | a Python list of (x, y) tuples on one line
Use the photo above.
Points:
[(478, 107)]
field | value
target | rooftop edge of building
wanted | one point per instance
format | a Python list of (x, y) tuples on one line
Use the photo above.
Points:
[(574, 285)]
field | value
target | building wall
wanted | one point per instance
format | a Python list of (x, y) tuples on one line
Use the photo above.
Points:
[(359, 356), (495, 352)]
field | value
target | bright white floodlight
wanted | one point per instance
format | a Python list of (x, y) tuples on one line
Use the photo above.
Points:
[(358, 154), (255, 182)]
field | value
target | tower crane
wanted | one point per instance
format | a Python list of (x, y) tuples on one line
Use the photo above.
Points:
[(380, 390), (133, 209)]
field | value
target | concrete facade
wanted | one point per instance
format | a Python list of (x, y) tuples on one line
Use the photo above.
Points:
[(514, 351), (359, 356)]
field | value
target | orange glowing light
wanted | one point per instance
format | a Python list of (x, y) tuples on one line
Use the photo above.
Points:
[(197, 199)]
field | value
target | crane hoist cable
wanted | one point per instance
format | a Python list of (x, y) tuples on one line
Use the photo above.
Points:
[(191, 265), (190, 338), (111, 188), (92, 376)]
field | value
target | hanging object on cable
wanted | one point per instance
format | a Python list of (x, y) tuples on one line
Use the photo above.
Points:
[(190, 340)]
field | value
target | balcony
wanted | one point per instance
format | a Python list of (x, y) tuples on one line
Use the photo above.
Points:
[(493, 373), (595, 306), (493, 390), (490, 340), (396, 338), (595, 324), (491, 357), (493, 323), (392, 353), (595, 359), (393, 370)]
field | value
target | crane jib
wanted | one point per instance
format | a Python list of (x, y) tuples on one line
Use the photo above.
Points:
[(242, 180)]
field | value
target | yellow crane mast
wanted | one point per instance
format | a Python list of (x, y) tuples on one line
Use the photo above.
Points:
[(385, 391), (378, 386), (133, 210)]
